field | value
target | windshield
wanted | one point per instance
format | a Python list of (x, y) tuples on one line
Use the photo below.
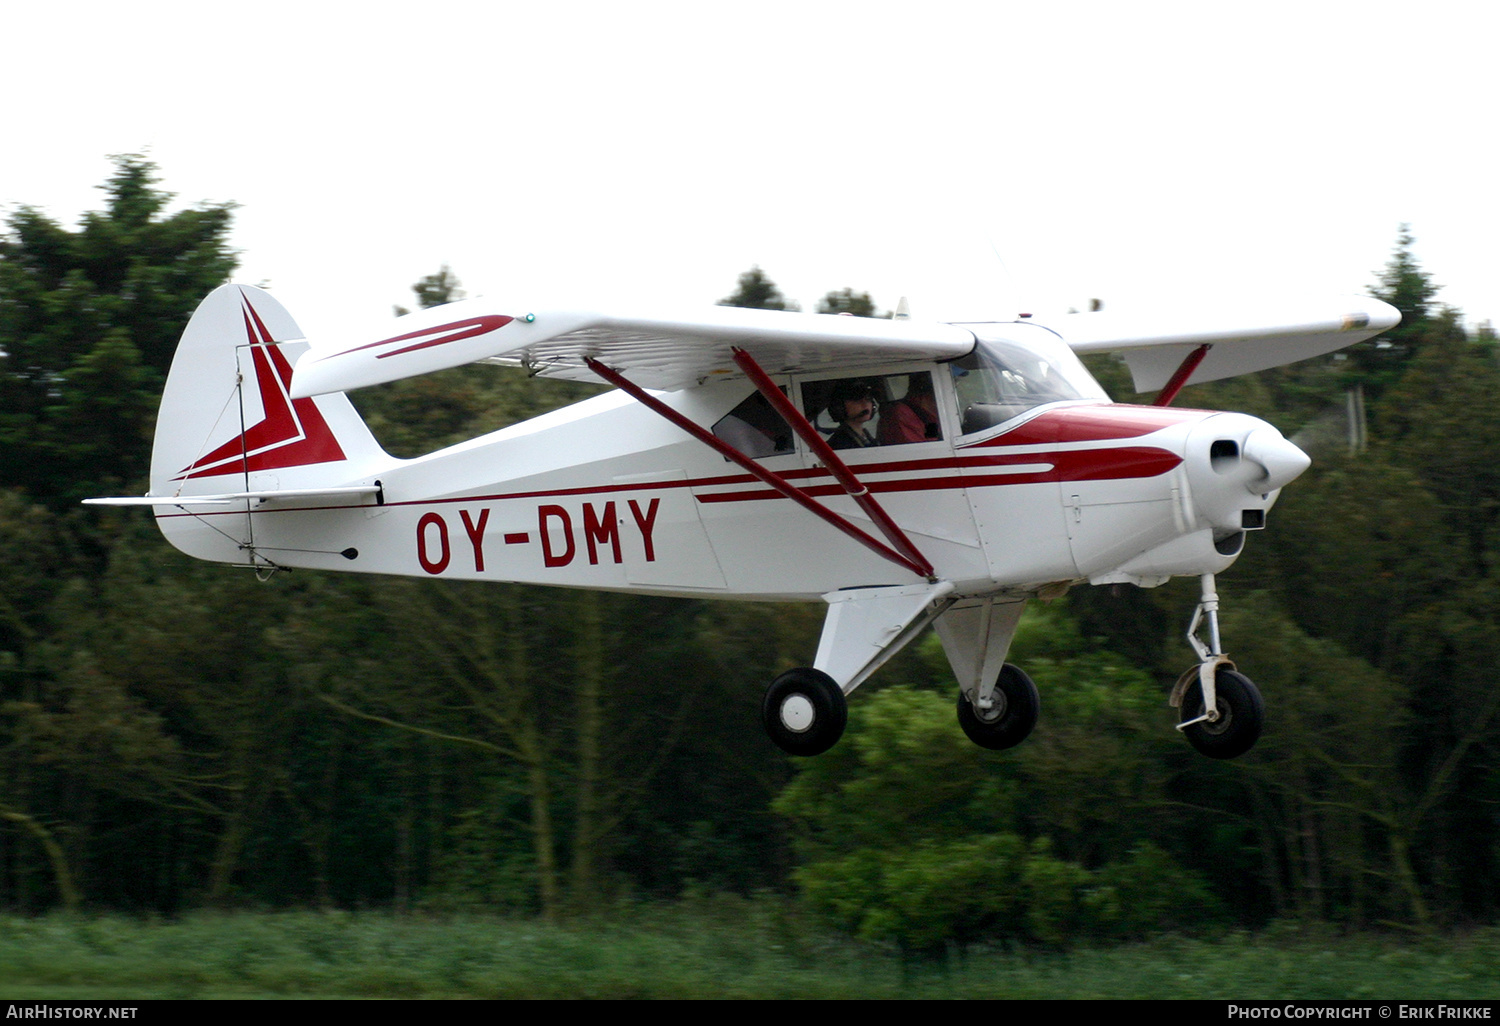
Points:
[(1002, 378)]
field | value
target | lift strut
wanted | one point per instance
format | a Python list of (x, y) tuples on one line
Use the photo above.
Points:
[(830, 459), (1181, 374), (919, 566)]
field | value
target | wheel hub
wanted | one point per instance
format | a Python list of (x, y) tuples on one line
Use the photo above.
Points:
[(1219, 724), (797, 713), (995, 711)]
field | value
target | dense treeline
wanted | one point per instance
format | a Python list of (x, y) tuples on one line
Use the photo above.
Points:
[(177, 735)]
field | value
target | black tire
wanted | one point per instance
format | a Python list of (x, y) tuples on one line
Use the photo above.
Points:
[(1017, 705), (1242, 714), (804, 712)]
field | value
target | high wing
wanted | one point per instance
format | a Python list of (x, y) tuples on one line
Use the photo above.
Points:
[(663, 353), (1242, 338), (679, 351)]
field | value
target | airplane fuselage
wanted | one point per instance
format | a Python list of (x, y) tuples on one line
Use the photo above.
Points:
[(605, 494)]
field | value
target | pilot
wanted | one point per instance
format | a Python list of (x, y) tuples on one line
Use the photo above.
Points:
[(913, 418), (851, 405)]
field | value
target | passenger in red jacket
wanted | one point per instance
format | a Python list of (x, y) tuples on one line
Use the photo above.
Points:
[(913, 418)]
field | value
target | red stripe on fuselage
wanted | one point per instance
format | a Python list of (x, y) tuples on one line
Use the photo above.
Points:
[(1091, 424), (1079, 465)]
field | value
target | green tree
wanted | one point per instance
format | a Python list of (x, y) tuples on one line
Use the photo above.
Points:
[(1443, 424), (1407, 287), (89, 320), (758, 292), (435, 290), (910, 834), (848, 301), (1073, 825), (1376, 363), (1356, 525)]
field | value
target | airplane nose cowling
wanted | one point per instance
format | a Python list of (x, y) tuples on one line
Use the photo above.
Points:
[(1236, 466), (1282, 461)]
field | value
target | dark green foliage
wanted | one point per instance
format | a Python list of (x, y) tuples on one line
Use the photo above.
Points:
[(435, 290), (89, 320), (438, 289), (415, 416), (847, 301), (757, 292), (1403, 284), (705, 821), (1451, 443), (1403, 549), (1113, 376), (912, 835)]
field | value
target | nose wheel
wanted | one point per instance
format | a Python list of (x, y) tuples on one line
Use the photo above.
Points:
[(1240, 715), (1221, 710), (804, 712)]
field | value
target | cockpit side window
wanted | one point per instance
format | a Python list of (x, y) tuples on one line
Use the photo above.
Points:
[(885, 409)]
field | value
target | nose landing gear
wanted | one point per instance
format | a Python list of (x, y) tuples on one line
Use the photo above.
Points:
[(1235, 728), (1221, 710)]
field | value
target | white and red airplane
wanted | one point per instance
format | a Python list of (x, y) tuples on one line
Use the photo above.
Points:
[(904, 473)]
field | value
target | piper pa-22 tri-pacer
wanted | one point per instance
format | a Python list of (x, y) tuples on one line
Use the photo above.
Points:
[(904, 473)]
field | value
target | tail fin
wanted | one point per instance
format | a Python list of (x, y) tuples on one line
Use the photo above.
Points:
[(228, 424)]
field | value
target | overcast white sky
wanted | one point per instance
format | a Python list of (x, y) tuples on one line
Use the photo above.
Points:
[(979, 158)]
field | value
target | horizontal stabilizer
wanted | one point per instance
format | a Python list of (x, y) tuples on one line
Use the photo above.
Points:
[(228, 498)]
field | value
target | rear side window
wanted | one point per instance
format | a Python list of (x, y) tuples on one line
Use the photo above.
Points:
[(755, 428)]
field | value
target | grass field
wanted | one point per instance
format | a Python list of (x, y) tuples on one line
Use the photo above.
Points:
[(720, 949)]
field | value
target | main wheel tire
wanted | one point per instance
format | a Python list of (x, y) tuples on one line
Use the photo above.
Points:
[(1017, 705), (804, 711), (1242, 714)]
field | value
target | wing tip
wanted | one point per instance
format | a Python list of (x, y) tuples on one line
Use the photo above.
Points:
[(1377, 315)]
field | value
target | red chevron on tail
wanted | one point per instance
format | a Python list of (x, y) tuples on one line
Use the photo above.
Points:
[(292, 433)]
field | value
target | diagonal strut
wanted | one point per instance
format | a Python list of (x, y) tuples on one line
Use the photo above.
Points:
[(768, 477), (1181, 374), (830, 459)]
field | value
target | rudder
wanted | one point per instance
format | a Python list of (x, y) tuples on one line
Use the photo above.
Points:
[(227, 422)]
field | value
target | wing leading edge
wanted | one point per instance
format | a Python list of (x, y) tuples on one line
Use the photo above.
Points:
[(663, 353)]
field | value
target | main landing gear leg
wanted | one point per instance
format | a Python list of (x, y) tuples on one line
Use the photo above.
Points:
[(1220, 710), (804, 711), (997, 703)]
